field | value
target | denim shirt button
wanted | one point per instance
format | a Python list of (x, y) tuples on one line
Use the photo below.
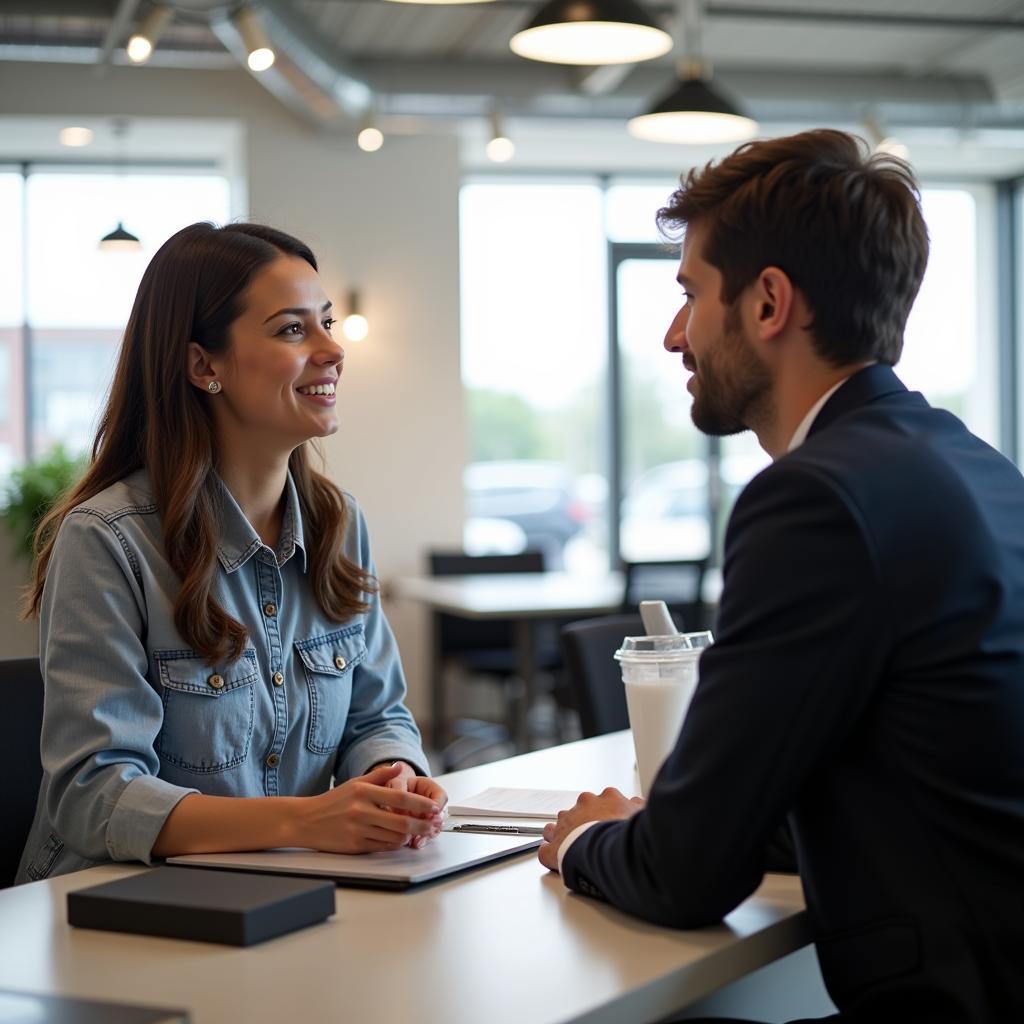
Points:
[(340, 662), (273, 761), (278, 678), (270, 609), (216, 681)]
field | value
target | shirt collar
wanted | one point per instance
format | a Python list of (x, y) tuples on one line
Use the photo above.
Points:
[(812, 414), (239, 541), (807, 422)]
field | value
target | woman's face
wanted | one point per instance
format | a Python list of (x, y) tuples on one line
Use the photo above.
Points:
[(279, 372)]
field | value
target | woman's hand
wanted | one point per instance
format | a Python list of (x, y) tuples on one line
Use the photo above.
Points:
[(372, 812), (410, 782)]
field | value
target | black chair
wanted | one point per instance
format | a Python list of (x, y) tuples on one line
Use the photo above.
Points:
[(679, 584), (588, 648), (21, 696), (485, 648)]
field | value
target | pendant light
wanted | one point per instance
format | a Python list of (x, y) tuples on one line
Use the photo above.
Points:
[(119, 240), (591, 32), (694, 110)]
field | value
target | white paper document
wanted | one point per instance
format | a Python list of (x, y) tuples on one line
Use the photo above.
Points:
[(499, 802)]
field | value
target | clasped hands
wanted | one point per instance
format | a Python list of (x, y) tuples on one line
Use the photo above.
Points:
[(387, 808), (609, 805)]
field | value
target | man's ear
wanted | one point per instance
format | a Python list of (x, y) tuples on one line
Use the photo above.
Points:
[(772, 298), (200, 368)]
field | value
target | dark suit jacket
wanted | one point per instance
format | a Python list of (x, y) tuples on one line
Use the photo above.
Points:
[(868, 682)]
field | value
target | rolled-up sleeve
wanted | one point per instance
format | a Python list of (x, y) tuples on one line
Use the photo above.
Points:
[(379, 726), (101, 715)]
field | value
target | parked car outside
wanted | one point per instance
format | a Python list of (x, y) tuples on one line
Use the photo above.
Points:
[(665, 514), (536, 495)]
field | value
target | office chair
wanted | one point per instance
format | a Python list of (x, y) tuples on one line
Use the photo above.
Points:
[(21, 696), (678, 583), (588, 648), (485, 648)]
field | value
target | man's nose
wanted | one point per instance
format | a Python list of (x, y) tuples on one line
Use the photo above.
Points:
[(675, 337)]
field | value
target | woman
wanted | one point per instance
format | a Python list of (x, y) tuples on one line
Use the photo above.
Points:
[(212, 640)]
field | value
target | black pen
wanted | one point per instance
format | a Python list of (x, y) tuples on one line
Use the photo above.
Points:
[(503, 830)]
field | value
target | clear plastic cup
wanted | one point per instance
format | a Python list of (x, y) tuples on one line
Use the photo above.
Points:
[(660, 676)]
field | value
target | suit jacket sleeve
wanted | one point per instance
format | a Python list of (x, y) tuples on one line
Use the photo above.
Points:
[(802, 634)]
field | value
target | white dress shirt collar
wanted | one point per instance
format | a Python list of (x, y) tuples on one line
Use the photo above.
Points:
[(812, 414)]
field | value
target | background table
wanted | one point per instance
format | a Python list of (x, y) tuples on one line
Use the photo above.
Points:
[(504, 944), (523, 598)]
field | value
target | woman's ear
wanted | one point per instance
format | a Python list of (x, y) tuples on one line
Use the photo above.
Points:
[(200, 369)]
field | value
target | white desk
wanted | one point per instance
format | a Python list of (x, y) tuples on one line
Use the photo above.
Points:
[(523, 598), (504, 944)]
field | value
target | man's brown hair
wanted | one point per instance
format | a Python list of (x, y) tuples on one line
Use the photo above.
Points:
[(844, 225)]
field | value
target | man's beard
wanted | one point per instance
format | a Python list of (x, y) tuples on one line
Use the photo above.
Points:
[(733, 387)]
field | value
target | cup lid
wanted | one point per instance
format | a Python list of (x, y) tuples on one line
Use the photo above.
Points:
[(673, 646)]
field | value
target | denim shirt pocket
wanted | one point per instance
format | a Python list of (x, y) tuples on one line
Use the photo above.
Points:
[(208, 713), (328, 662)]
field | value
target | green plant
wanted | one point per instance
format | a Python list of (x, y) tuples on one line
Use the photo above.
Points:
[(32, 490)]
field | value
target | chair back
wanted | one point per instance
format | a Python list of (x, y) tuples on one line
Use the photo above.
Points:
[(678, 583), (491, 635), (21, 696), (588, 649)]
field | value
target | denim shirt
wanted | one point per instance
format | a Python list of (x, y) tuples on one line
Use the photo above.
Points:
[(134, 720)]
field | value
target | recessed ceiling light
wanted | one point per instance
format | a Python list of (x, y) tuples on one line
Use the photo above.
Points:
[(75, 135)]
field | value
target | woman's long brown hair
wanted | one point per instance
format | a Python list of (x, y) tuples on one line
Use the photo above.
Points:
[(157, 419)]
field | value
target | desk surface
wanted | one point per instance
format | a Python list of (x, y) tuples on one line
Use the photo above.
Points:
[(516, 595), (506, 943)]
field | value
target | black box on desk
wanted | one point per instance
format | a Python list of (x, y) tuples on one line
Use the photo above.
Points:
[(233, 907)]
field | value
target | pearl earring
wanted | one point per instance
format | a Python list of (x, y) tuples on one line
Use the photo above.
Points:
[(213, 387)]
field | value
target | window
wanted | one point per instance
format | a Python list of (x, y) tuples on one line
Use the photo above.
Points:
[(533, 363), (535, 286), (949, 351), (11, 317), (76, 297)]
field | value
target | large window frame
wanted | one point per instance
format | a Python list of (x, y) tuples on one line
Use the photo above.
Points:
[(999, 239), (24, 335)]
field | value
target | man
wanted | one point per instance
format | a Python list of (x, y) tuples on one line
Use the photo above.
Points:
[(867, 682)]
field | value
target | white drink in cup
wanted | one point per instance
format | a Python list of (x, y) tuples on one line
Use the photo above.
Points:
[(660, 675)]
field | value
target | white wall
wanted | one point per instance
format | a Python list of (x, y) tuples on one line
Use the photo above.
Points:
[(387, 222)]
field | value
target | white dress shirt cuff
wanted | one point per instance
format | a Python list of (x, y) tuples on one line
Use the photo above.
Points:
[(570, 839)]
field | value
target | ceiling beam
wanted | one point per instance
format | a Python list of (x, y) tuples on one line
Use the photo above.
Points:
[(116, 31)]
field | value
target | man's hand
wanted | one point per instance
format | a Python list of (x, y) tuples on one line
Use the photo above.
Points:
[(610, 805)]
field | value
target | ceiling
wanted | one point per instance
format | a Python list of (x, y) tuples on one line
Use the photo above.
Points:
[(945, 65)]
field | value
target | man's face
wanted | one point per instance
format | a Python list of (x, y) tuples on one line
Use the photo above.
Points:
[(730, 383)]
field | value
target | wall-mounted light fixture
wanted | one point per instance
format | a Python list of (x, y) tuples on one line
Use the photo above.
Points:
[(500, 148), (259, 53), (142, 41), (355, 326), (591, 32), (370, 137)]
